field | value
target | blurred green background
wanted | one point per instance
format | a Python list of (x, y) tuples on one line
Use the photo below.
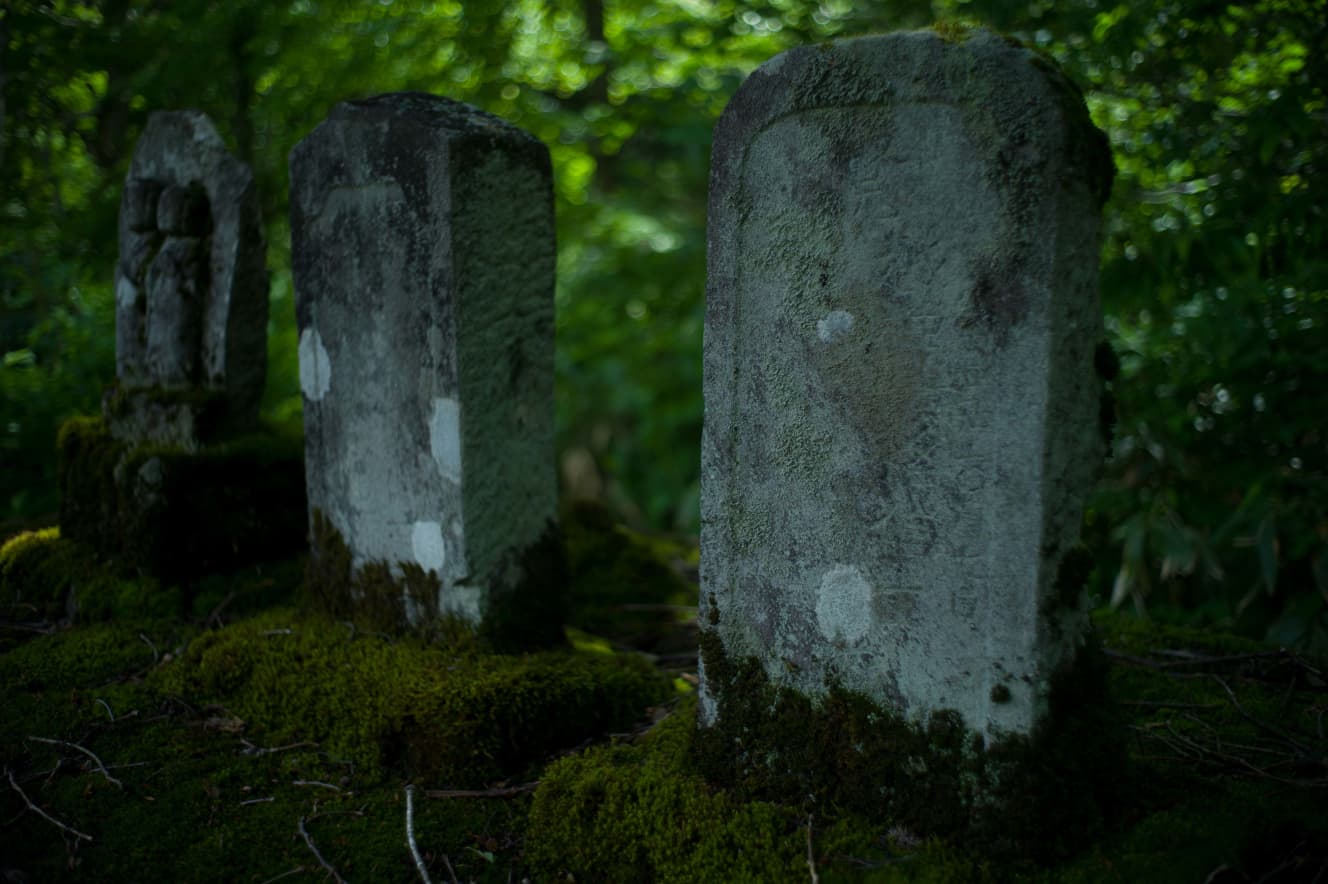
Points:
[(1214, 507)]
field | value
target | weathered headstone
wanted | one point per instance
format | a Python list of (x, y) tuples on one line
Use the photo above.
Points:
[(901, 408), (177, 479), (191, 288), (423, 250)]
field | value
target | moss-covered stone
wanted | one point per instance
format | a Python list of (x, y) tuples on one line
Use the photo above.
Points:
[(176, 513), (936, 776), (516, 618)]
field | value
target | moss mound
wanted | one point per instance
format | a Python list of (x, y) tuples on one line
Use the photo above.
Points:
[(451, 715), (643, 812)]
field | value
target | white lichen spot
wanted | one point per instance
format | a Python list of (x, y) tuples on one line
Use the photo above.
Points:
[(836, 324), (843, 604), (315, 367), (445, 438), (126, 293), (426, 545)]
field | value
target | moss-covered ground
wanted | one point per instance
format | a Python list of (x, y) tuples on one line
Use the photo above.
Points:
[(220, 732)]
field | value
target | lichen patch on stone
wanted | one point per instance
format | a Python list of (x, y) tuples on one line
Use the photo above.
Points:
[(834, 326), (426, 545), (445, 437), (844, 604), (315, 367)]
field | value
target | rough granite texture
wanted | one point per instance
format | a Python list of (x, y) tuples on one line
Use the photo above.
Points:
[(423, 251), (191, 287), (901, 411)]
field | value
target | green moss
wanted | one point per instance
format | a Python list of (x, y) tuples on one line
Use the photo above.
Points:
[(175, 513), (643, 812), (446, 714), (954, 31), (44, 576), (612, 567), (934, 777), (523, 617)]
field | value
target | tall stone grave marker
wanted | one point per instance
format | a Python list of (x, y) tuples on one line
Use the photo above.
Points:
[(163, 483), (190, 286), (901, 407), (423, 248)]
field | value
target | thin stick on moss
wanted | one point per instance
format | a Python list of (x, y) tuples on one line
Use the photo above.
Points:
[(41, 813), (410, 836), (504, 792), (156, 657), (215, 616), (295, 871), (811, 855), (88, 752), (316, 783), (304, 833), (251, 749), (450, 873), (107, 707)]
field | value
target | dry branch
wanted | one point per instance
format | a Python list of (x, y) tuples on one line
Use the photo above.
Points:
[(43, 814), (304, 833)]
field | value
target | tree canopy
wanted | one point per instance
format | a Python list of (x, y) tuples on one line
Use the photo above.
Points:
[(1216, 499)]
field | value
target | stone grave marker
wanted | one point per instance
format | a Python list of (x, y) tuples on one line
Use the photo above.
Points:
[(176, 478), (191, 288), (901, 406), (423, 251)]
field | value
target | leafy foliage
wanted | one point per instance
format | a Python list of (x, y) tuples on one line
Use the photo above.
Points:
[(1213, 275)]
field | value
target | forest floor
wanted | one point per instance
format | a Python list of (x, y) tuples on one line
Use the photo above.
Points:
[(219, 732)]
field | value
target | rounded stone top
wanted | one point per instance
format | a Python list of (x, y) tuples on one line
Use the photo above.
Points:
[(455, 118), (1009, 94)]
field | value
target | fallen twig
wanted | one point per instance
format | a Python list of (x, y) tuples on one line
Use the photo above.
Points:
[(257, 801), (285, 631), (1166, 704), (504, 792), (88, 752), (304, 833), (216, 612), (1305, 751), (811, 855), (410, 836), (107, 707), (43, 814), (251, 749), (156, 657), (316, 783), (450, 873), (294, 871), (41, 627)]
